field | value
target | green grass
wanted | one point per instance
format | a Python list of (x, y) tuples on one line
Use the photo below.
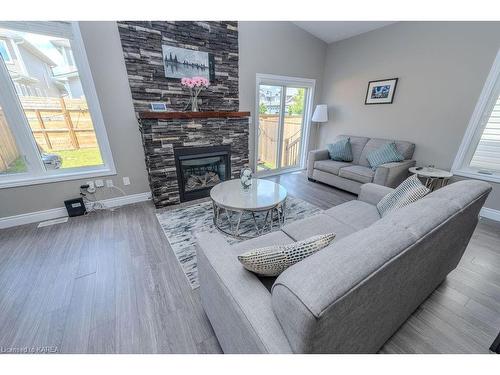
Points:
[(71, 159), (265, 166), (79, 158), (17, 166)]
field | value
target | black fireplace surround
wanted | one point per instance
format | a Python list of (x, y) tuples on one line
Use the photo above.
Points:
[(201, 168)]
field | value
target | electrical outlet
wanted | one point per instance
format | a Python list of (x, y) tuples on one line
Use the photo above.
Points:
[(126, 181), (109, 183), (99, 183)]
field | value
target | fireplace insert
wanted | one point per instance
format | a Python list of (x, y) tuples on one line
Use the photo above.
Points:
[(201, 168)]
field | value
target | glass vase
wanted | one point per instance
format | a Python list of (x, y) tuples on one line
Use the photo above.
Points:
[(194, 104)]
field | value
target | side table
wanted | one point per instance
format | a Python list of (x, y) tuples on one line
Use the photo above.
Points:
[(434, 178)]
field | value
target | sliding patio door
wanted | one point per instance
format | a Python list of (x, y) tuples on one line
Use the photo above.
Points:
[(284, 106)]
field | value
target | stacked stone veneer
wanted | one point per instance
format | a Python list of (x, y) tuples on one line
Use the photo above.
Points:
[(160, 137), (142, 49)]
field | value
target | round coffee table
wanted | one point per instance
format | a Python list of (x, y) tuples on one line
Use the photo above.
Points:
[(434, 178), (230, 202)]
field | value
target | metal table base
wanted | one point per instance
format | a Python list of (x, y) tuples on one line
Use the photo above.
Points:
[(274, 216)]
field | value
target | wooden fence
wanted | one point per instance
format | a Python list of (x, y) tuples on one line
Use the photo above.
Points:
[(57, 124), (268, 137), (8, 149), (60, 123)]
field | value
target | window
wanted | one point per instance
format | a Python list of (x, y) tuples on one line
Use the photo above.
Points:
[(45, 135), (479, 153), (4, 51)]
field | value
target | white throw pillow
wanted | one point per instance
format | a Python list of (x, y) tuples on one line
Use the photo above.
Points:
[(409, 191), (272, 260)]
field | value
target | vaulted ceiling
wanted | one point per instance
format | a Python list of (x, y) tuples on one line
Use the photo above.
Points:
[(332, 31)]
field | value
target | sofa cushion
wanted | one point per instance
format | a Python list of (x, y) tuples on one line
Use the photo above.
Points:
[(317, 224), (405, 148), (357, 145), (341, 150), (330, 166), (409, 191), (387, 153), (357, 173), (273, 260), (269, 239), (355, 213)]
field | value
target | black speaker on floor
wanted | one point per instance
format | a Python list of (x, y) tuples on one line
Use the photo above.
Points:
[(75, 207), (495, 347)]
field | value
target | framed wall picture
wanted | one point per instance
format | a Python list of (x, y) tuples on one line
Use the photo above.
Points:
[(158, 107), (381, 91), (183, 62)]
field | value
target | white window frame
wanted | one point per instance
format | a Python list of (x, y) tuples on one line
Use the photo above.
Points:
[(477, 123), (278, 80), (37, 174), (4, 42)]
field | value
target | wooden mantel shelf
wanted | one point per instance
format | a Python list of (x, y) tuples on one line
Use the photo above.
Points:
[(189, 115)]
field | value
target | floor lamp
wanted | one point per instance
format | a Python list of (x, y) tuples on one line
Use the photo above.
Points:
[(320, 115)]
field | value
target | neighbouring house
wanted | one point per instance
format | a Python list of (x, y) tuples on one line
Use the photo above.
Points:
[(36, 74), (67, 72)]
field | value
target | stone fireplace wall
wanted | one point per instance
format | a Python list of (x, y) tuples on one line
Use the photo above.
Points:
[(142, 49), (160, 137)]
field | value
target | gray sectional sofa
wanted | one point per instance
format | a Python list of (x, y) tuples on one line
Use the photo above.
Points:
[(351, 296), (350, 176)]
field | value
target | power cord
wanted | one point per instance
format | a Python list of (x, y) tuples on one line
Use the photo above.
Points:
[(92, 203)]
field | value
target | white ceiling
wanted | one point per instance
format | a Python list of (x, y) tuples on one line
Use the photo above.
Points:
[(332, 31)]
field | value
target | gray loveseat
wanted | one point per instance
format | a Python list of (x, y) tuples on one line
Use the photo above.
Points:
[(350, 176), (351, 296)]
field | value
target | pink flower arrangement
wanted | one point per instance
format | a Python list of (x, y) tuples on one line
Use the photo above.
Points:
[(195, 85), (195, 82)]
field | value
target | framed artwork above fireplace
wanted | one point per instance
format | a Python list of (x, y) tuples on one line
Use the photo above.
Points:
[(183, 62)]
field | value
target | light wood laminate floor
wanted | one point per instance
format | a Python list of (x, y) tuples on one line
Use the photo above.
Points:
[(108, 283)]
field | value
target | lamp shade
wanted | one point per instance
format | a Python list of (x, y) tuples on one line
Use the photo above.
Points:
[(320, 113)]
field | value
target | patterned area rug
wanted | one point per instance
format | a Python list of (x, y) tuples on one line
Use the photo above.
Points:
[(181, 223)]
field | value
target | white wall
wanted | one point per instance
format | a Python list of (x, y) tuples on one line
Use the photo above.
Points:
[(441, 66), (105, 56), (279, 48)]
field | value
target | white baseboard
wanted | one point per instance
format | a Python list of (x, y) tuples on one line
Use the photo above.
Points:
[(126, 199), (54, 213), (32, 217), (490, 213)]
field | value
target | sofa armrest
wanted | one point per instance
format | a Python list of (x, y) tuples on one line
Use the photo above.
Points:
[(392, 174), (313, 156), (373, 193), (236, 302)]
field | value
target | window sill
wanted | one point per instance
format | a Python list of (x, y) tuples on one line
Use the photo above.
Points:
[(478, 176), (17, 181)]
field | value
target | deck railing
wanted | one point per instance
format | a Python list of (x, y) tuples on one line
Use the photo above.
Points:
[(268, 137)]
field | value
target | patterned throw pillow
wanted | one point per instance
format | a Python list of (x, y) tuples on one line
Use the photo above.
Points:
[(272, 260), (409, 191), (388, 153), (341, 150)]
